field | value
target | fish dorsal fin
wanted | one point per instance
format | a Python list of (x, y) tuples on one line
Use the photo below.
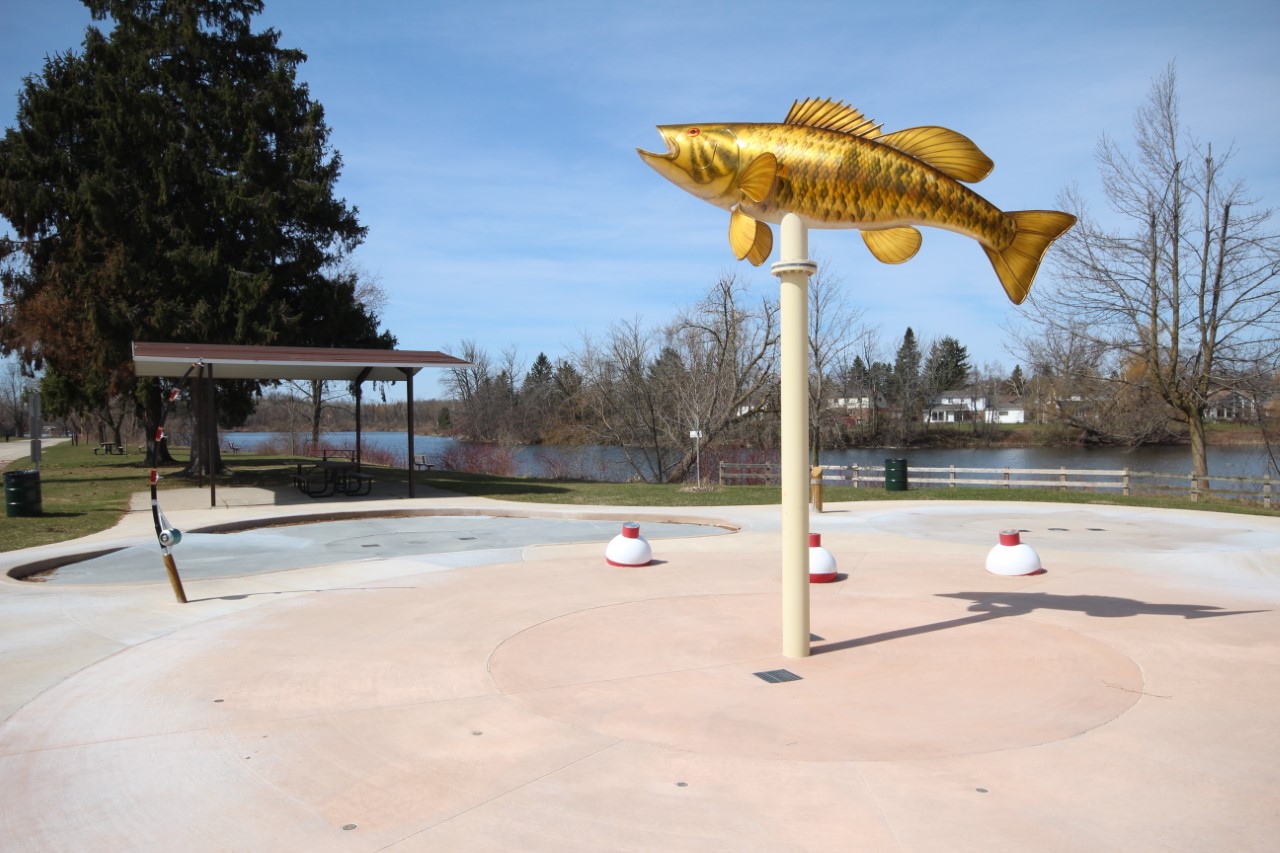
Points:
[(748, 238), (832, 115), (757, 179), (893, 245), (951, 153)]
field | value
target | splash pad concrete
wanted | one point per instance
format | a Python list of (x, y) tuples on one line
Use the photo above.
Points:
[(552, 702)]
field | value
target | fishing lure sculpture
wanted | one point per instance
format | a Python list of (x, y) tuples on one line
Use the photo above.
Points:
[(832, 167)]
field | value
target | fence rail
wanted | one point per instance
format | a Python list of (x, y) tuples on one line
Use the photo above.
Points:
[(1122, 480)]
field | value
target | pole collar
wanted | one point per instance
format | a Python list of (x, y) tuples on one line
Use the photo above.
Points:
[(804, 266)]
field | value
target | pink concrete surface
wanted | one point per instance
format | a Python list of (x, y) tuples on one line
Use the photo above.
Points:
[(1125, 700)]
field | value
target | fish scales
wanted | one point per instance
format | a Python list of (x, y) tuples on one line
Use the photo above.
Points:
[(845, 181)]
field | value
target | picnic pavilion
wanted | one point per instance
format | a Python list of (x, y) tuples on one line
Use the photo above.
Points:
[(210, 362)]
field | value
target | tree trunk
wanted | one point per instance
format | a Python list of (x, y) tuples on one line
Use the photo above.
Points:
[(1199, 451), (317, 407), (150, 412), (206, 456)]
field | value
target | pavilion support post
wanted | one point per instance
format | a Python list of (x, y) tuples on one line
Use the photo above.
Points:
[(198, 392), (211, 438), (793, 271), (408, 458), (357, 391)]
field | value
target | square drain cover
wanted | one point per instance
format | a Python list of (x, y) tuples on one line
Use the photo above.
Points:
[(776, 676)]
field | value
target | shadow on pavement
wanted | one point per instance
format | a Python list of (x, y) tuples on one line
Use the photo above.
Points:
[(997, 605)]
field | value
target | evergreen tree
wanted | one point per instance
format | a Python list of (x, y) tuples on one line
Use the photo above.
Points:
[(567, 379), (947, 367), (1017, 383), (173, 181), (907, 382), (540, 374)]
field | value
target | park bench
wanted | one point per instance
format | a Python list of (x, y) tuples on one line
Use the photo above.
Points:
[(422, 463)]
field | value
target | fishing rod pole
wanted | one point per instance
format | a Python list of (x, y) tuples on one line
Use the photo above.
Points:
[(166, 534)]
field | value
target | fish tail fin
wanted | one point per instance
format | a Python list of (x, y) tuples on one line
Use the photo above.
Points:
[(1017, 263)]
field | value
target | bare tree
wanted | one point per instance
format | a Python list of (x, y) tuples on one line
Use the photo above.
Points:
[(1184, 286), (713, 366), (13, 395), (487, 394), (864, 386), (1100, 391), (470, 387), (835, 334), (370, 295)]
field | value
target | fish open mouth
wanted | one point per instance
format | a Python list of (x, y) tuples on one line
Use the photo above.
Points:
[(673, 148)]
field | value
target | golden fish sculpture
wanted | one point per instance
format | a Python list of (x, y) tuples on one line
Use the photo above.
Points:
[(832, 167)]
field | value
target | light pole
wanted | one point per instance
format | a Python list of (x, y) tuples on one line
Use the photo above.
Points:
[(696, 435), (37, 423)]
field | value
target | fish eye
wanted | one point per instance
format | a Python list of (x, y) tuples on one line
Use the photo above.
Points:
[(693, 131)]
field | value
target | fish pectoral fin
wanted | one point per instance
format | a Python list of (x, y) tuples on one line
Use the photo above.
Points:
[(763, 245), (893, 245), (749, 239), (757, 179), (953, 154)]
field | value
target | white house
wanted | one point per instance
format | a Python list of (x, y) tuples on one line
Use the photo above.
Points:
[(1006, 409), (1229, 406), (857, 409), (955, 407)]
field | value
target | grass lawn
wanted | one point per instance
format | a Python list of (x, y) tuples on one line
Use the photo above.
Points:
[(83, 493)]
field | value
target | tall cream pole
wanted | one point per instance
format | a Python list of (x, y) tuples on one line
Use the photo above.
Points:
[(793, 271)]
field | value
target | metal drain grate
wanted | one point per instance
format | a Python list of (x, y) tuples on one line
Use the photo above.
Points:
[(776, 676)]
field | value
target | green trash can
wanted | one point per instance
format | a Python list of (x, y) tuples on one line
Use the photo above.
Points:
[(895, 475), (22, 493)]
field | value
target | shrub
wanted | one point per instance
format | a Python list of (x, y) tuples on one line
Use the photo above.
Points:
[(475, 458)]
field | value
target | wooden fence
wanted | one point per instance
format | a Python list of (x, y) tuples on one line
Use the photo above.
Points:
[(1123, 480)]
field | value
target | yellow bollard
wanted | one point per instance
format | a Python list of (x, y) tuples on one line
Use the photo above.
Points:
[(815, 487)]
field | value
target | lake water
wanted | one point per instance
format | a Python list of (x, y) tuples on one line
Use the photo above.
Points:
[(607, 463)]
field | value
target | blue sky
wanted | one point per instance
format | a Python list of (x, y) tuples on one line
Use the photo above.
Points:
[(490, 146)]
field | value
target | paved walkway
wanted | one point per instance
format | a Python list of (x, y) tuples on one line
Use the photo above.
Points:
[(17, 448), (538, 699)]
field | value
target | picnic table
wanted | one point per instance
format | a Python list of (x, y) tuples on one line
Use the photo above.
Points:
[(109, 448), (330, 477), (327, 453)]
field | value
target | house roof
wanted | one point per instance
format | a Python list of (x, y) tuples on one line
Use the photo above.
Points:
[(227, 361)]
